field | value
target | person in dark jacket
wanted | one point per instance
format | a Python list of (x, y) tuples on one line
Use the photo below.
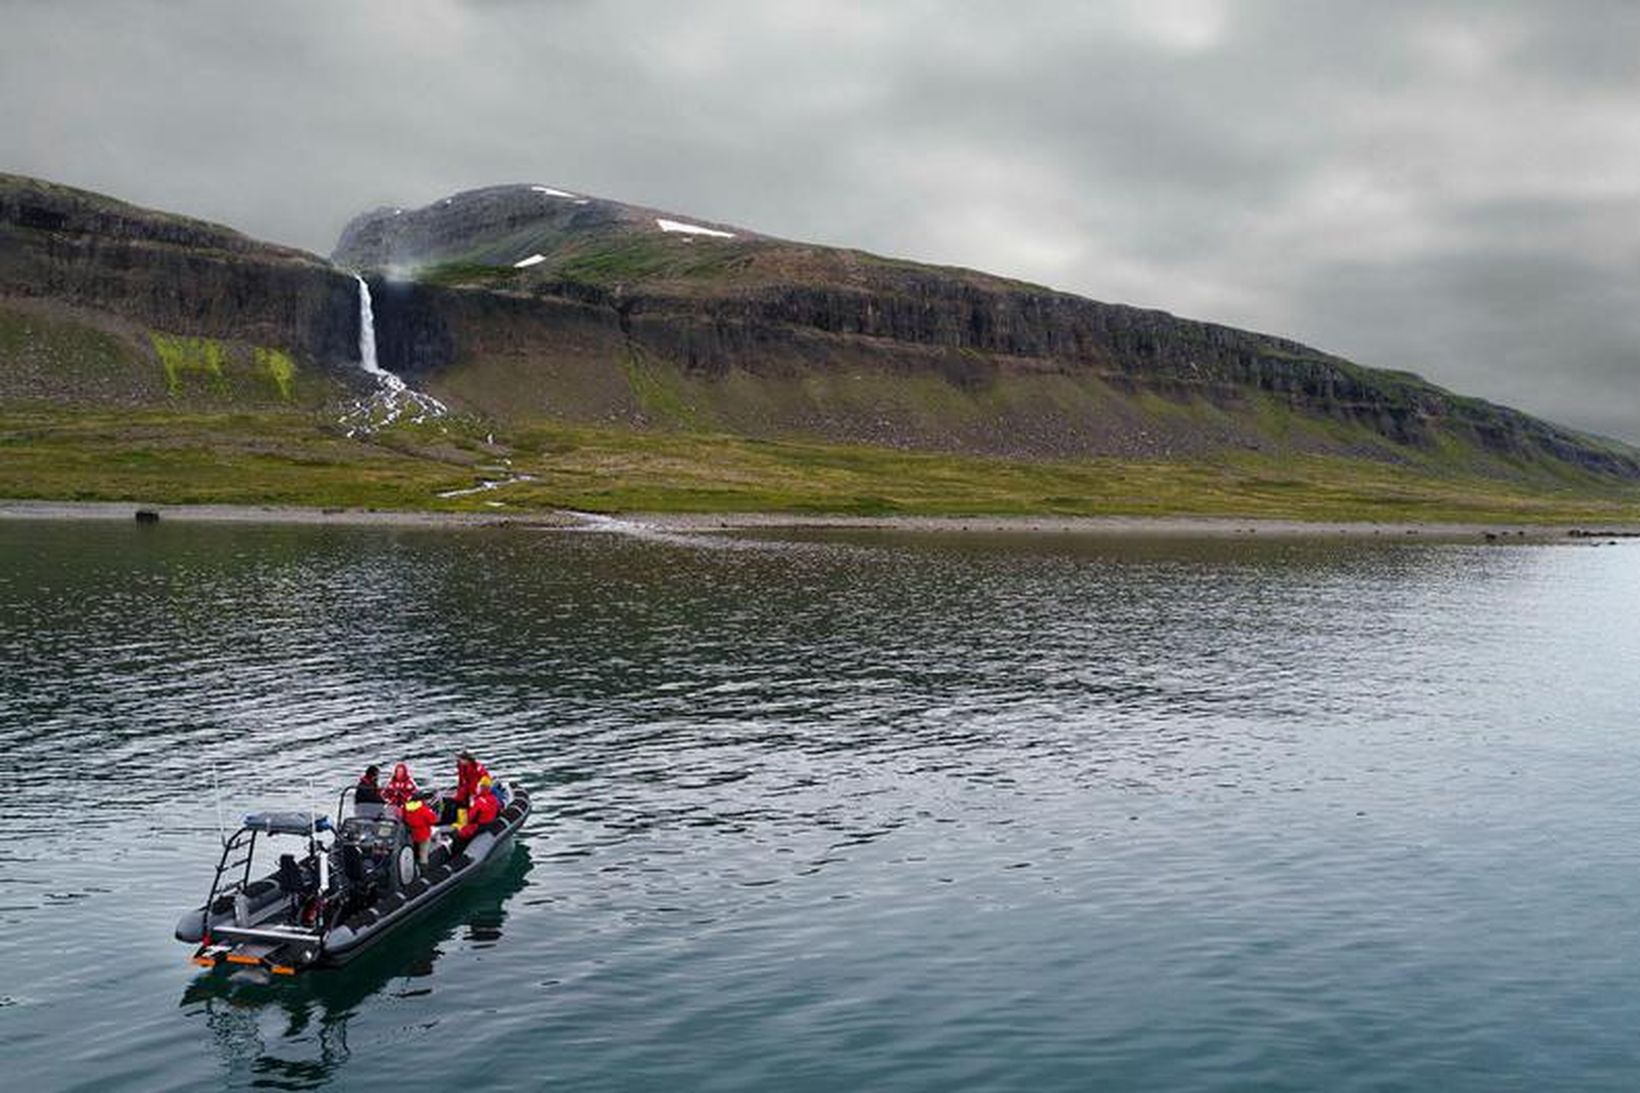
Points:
[(368, 792)]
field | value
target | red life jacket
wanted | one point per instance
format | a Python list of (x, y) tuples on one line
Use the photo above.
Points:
[(401, 788), (485, 808), (419, 820), (467, 776)]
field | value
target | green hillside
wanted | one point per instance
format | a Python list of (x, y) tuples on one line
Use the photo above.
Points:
[(627, 367)]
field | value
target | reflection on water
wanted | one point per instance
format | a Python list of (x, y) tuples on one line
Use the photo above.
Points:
[(305, 1042), (843, 809)]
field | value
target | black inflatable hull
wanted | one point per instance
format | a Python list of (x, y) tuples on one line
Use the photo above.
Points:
[(361, 931)]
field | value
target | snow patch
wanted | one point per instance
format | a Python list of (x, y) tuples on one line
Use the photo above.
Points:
[(690, 229), (526, 263), (550, 192)]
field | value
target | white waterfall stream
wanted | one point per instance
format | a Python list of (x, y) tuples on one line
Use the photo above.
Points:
[(393, 398), (367, 332)]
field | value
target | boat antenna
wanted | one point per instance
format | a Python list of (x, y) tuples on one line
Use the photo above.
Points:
[(313, 836)]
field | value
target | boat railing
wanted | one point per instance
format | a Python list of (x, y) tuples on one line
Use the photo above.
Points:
[(241, 841)]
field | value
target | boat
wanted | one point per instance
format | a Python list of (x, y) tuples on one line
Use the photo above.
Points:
[(336, 889)]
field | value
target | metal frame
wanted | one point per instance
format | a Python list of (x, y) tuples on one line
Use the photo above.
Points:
[(245, 838), (229, 845)]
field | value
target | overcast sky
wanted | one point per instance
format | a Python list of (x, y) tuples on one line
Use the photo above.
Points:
[(1447, 187)]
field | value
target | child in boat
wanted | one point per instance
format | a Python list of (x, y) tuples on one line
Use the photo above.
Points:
[(400, 788)]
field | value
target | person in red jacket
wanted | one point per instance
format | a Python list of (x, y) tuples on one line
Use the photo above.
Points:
[(400, 788), (485, 808), (420, 820), (469, 772)]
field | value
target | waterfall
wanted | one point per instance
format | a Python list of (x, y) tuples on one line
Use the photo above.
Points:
[(367, 331), (393, 398)]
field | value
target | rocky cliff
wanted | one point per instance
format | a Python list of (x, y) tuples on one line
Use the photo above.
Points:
[(504, 290), (185, 294), (525, 303)]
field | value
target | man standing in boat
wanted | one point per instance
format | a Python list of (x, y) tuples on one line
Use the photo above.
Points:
[(469, 772), (419, 819)]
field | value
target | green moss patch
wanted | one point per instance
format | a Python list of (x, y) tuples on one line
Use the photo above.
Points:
[(278, 367), (182, 357)]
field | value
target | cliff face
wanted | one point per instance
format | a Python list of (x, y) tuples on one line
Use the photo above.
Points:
[(139, 273), (512, 285), (525, 302)]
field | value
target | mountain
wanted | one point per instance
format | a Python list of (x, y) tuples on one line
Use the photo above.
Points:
[(134, 288), (564, 323), (529, 300)]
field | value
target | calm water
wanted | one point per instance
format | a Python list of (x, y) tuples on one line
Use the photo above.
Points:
[(843, 812)]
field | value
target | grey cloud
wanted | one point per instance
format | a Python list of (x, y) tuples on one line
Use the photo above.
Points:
[(1448, 187)]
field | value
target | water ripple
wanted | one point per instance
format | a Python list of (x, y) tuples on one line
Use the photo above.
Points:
[(843, 809)]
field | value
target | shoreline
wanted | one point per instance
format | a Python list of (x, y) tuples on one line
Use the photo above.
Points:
[(710, 523)]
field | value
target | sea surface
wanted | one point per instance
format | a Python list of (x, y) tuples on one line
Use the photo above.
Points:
[(841, 811)]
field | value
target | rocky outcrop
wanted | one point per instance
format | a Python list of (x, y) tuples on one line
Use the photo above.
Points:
[(716, 302), (974, 342), (496, 224), (172, 274), (525, 301)]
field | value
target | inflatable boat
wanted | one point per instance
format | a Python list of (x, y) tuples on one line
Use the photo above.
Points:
[(336, 890)]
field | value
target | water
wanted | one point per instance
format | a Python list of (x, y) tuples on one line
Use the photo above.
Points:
[(838, 811)]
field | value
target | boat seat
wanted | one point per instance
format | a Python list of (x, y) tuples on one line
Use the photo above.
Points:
[(258, 894), (260, 901), (257, 889)]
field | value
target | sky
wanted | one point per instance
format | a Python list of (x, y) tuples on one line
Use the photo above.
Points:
[(1450, 188)]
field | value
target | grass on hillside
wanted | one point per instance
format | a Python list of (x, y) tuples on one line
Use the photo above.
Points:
[(604, 262), (293, 458), (205, 458)]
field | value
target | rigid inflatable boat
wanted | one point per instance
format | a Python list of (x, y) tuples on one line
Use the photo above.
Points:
[(336, 891)]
